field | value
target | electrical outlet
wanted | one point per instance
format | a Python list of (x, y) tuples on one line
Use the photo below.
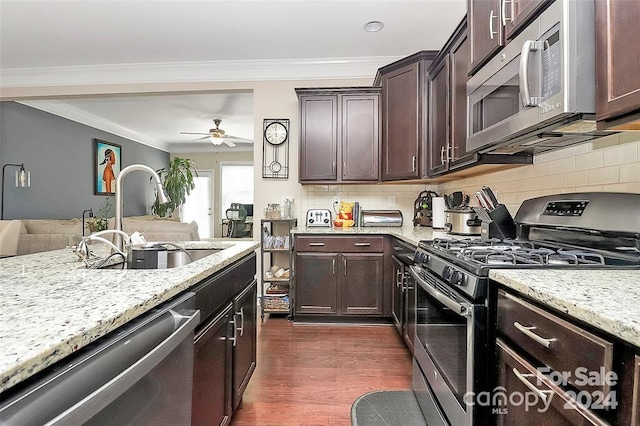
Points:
[(391, 200)]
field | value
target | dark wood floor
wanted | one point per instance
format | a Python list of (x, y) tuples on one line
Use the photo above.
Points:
[(312, 374)]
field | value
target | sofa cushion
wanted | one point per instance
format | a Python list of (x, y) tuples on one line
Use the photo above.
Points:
[(53, 226), (35, 243), (155, 228)]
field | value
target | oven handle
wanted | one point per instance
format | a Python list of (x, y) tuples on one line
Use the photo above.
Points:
[(462, 310)]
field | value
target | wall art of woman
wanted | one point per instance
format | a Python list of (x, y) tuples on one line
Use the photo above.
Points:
[(108, 177), (107, 163)]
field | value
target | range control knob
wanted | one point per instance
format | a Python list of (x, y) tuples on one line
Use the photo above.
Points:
[(420, 257), (456, 278), (446, 273)]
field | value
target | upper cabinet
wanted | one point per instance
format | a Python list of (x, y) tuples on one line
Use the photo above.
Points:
[(492, 22), (339, 135), (404, 116), (617, 64), (448, 106)]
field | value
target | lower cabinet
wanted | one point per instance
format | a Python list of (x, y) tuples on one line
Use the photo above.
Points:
[(339, 276), (225, 342), (211, 372), (553, 370), (244, 341)]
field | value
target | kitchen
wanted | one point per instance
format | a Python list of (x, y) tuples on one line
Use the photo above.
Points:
[(607, 164)]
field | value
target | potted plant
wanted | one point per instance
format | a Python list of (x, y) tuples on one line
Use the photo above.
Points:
[(178, 182), (100, 221)]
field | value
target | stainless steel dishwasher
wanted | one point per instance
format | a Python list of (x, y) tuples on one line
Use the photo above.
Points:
[(142, 374)]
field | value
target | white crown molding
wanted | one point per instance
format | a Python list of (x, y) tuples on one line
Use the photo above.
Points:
[(72, 113), (242, 70)]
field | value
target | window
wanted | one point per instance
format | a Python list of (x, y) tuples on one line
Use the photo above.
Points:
[(236, 184)]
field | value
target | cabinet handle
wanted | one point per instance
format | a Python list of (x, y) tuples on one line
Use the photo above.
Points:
[(530, 334), (413, 163), (523, 378), (399, 278), (362, 244), (442, 150), (333, 263), (333, 167), (504, 12), (316, 244), (241, 313), (345, 265), (491, 32), (234, 339)]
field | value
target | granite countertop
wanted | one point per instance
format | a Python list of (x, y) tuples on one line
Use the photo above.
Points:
[(608, 300), (52, 305)]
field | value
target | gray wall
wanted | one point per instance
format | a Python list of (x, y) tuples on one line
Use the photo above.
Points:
[(59, 154)]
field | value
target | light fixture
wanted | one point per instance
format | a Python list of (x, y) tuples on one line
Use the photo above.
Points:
[(373, 26), (23, 180)]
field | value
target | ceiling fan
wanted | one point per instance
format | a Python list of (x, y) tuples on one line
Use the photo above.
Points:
[(218, 136)]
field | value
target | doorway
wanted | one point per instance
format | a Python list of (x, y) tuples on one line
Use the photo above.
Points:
[(199, 204)]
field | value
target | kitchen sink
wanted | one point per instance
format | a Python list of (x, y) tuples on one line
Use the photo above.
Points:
[(175, 258)]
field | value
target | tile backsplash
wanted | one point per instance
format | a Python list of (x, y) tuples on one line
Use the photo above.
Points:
[(370, 197), (609, 164)]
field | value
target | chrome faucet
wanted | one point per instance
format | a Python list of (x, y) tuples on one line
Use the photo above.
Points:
[(160, 194)]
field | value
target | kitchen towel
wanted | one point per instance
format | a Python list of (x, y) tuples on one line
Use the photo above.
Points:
[(437, 211)]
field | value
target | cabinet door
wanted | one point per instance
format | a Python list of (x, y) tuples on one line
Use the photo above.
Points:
[(361, 283), (485, 29), (316, 287), (519, 12), (360, 137), (318, 137), (617, 66), (397, 294), (460, 56), (401, 123), (245, 339), (439, 118), (212, 372)]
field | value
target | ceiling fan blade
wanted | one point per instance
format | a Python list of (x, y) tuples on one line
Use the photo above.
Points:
[(228, 143), (190, 133), (239, 140), (201, 139)]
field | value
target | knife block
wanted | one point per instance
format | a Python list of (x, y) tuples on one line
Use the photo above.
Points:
[(497, 223)]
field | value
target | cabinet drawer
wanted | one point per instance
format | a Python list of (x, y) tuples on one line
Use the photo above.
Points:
[(556, 343), (323, 243)]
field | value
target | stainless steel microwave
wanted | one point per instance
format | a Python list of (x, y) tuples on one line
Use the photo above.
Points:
[(538, 93)]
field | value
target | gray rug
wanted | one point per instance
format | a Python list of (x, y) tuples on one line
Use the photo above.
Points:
[(387, 408)]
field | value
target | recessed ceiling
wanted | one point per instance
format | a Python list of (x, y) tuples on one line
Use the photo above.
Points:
[(75, 42)]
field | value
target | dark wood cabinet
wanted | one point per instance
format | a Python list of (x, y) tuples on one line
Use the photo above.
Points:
[(515, 14), (338, 276), (448, 106), (361, 283), (485, 30), (316, 289), (617, 64), (493, 22), (212, 372), (339, 135), (404, 116), (244, 340), (225, 341)]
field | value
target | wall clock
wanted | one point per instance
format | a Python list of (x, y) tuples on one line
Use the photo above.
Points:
[(275, 148)]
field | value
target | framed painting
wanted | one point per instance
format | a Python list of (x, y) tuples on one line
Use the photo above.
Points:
[(107, 161)]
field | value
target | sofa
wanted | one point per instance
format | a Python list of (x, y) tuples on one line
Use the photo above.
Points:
[(38, 235)]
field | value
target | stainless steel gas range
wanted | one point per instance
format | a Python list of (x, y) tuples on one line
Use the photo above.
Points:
[(453, 323)]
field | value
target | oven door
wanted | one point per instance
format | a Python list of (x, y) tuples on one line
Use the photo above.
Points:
[(448, 346)]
